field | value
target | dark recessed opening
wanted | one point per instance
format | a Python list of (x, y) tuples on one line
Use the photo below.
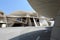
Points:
[(17, 25)]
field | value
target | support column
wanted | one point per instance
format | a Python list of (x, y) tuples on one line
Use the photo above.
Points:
[(39, 20), (35, 22), (56, 29), (29, 21)]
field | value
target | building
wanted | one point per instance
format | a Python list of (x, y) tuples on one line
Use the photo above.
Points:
[(23, 19), (20, 18)]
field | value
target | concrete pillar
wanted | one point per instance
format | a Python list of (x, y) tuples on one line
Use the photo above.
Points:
[(39, 20), (29, 21), (35, 22), (56, 30)]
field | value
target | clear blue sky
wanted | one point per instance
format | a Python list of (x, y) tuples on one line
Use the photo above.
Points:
[(9, 6)]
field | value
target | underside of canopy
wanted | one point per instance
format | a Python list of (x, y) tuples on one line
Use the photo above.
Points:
[(48, 8)]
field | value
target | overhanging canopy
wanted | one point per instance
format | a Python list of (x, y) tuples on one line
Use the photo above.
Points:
[(48, 8)]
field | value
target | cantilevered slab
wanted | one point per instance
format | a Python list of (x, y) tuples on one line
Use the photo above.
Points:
[(23, 13), (48, 8)]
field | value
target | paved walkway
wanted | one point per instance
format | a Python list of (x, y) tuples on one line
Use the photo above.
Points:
[(19, 33)]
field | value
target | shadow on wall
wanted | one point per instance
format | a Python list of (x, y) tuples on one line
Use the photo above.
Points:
[(35, 35)]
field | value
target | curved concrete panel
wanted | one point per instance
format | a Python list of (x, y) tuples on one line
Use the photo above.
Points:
[(48, 8), (23, 13)]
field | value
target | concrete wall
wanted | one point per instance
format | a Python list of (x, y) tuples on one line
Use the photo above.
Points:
[(56, 30)]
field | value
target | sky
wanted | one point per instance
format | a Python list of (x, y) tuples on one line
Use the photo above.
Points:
[(8, 6)]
